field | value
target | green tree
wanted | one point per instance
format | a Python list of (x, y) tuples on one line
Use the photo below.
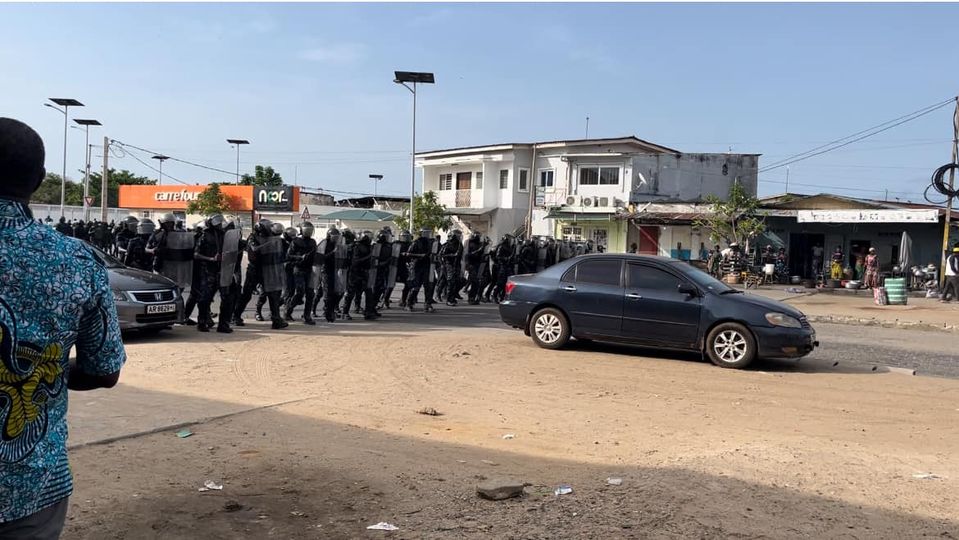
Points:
[(735, 219), (428, 214), (262, 177), (115, 180), (49, 191), (210, 201)]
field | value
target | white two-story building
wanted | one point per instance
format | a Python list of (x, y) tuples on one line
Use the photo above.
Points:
[(614, 191), (490, 189)]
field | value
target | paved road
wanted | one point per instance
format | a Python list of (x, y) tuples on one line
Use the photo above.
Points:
[(859, 347), (929, 353)]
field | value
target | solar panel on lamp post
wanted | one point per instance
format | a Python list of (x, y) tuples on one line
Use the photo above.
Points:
[(376, 179), (413, 77), (237, 143), (66, 103), (161, 158), (86, 171)]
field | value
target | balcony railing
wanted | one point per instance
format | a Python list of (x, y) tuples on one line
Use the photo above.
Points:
[(463, 198)]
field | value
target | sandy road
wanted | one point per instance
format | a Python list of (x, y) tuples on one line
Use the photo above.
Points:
[(784, 450)]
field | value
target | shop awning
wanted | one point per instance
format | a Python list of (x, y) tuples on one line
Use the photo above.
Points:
[(476, 212), (580, 216)]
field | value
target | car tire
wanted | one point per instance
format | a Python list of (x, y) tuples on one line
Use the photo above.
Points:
[(731, 345), (549, 328)]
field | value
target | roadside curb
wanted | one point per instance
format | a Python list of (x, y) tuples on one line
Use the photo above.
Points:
[(906, 325)]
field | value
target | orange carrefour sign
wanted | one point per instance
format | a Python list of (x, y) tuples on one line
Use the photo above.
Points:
[(178, 197)]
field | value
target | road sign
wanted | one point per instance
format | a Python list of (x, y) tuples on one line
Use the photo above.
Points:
[(305, 216), (88, 201)]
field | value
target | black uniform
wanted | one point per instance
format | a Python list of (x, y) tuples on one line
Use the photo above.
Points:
[(527, 258), (301, 256), (254, 278), (503, 256), (452, 254), (402, 273), (419, 255), (330, 267), (359, 277), (382, 273), (64, 228), (474, 259), (208, 251), (136, 255)]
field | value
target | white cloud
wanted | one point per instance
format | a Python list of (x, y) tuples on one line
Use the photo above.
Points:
[(340, 53)]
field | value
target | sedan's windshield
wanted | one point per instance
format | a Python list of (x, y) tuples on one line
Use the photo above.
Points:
[(108, 260), (703, 279)]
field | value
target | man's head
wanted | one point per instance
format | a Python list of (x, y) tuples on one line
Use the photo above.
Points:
[(21, 160)]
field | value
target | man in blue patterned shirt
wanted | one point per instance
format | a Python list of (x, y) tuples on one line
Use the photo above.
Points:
[(54, 296)]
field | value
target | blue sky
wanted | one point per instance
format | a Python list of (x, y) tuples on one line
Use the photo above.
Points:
[(311, 85)]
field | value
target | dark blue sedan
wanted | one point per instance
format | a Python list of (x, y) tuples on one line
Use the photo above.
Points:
[(655, 302)]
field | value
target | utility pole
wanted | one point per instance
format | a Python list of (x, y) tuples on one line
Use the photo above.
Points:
[(952, 178), (787, 178), (587, 127), (104, 179)]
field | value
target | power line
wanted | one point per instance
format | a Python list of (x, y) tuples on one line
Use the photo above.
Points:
[(147, 165), (123, 144), (858, 136)]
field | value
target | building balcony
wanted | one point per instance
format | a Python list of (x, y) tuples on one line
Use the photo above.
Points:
[(463, 198)]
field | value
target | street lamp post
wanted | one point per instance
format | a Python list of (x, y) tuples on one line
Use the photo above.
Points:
[(66, 103), (237, 143), (161, 158), (413, 77), (376, 179), (86, 171)]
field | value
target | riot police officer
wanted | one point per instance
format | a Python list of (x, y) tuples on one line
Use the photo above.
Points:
[(136, 253), (358, 284), (422, 269), (301, 256), (474, 260)]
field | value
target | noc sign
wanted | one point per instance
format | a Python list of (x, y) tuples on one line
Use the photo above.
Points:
[(273, 198)]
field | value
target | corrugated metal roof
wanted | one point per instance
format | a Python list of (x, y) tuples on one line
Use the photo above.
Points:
[(359, 214)]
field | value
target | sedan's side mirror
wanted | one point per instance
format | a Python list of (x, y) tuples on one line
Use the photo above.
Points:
[(687, 289)]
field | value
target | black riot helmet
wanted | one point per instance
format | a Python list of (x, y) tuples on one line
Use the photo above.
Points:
[(475, 236), (366, 237), (426, 233), (405, 236), (145, 227), (276, 229), (167, 222), (131, 223), (349, 236), (458, 234), (217, 221), (263, 227), (333, 234), (306, 229), (289, 233), (383, 236)]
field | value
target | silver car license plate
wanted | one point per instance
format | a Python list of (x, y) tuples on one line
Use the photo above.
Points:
[(161, 308)]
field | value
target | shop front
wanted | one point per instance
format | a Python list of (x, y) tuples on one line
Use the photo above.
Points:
[(247, 203)]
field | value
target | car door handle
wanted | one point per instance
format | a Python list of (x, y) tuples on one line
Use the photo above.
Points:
[(633, 296), (569, 288)]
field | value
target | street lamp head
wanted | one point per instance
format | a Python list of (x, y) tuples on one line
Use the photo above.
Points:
[(376, 176), (161, 157), (421, 77), (66, 102), (83, 122), (238, 141)]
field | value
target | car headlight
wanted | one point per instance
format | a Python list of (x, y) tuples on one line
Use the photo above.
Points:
[(119, 296), (781, 319)]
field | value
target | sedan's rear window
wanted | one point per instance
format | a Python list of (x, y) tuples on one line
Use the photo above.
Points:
[(600, 272)]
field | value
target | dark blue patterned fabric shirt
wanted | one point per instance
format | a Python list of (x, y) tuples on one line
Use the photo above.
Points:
[(54, 295)]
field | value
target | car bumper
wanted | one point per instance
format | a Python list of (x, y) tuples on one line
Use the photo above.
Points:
[(134, 316), (514, 313), (778, 342)]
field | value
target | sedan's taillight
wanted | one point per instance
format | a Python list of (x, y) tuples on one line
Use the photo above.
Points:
[(510, 285)]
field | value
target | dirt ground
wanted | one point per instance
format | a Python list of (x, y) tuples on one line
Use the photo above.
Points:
[(784, 450)]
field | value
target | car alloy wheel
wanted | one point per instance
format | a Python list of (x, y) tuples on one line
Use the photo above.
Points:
[(548, 328), (730, 346)]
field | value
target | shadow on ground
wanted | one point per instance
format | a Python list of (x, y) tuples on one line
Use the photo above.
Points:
[(290, 476)]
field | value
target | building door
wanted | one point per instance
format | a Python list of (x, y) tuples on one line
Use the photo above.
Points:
[(649, 240), (463, 180), (801, 253)]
